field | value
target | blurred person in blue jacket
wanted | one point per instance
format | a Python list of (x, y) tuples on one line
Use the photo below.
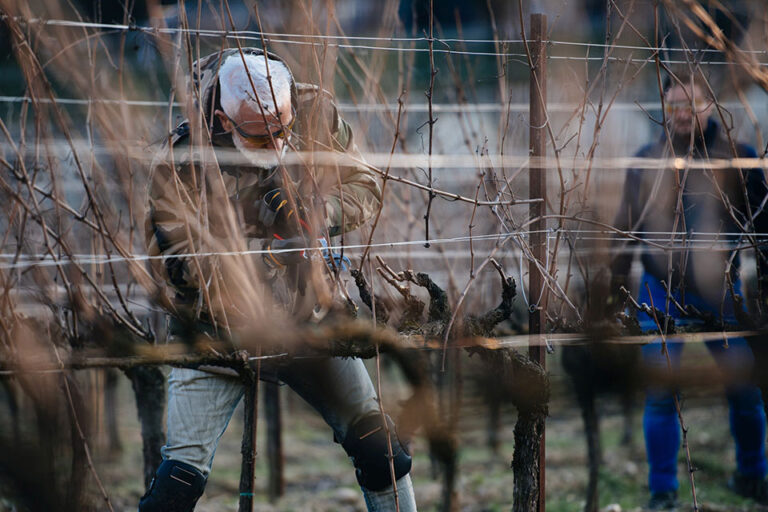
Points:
[(705, 214)]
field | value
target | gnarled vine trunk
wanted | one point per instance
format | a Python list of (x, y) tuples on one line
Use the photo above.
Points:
[(149, 389)]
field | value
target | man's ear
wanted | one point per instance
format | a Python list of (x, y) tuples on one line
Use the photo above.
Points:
[(226, 124)]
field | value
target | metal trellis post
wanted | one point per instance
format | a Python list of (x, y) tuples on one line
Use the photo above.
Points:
[(538, 190)]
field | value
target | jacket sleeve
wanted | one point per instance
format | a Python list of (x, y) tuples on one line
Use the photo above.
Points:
[(166, 225), (757, 194), (190, 224), (626, 217), (350, 192), (356, 196)]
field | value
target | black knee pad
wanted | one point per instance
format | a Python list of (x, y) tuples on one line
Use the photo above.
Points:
[(366, 443), (176, 488)]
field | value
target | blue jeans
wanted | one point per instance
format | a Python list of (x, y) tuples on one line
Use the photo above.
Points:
[(201, 403), (660, 421)]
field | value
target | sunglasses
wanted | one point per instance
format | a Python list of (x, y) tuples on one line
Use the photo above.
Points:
[(260, 141), (672, 107)]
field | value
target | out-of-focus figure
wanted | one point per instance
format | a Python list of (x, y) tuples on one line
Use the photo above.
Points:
[(705, 214)]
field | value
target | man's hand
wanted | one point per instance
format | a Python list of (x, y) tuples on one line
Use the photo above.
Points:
[(291, 251), (334, 259), (271, 207), (275, 211), (283, 252)]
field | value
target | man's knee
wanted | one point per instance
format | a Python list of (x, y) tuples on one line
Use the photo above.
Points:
[(366, 443), (176, 488)]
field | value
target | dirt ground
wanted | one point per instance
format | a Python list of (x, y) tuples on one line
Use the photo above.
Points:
[(320, 478)]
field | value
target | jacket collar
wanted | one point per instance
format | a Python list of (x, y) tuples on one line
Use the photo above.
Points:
[(701, 141)]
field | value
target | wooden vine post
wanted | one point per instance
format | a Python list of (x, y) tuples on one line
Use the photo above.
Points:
[(273, 418), (248, 448), (538, 190)]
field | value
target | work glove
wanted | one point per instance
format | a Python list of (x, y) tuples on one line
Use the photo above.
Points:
[(290, 251), (275, 212), (283, 252), (333, 258)]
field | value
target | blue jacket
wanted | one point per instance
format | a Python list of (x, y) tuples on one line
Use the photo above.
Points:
[(719, 210)]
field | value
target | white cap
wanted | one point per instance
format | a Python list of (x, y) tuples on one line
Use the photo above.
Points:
[(236, 88)]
